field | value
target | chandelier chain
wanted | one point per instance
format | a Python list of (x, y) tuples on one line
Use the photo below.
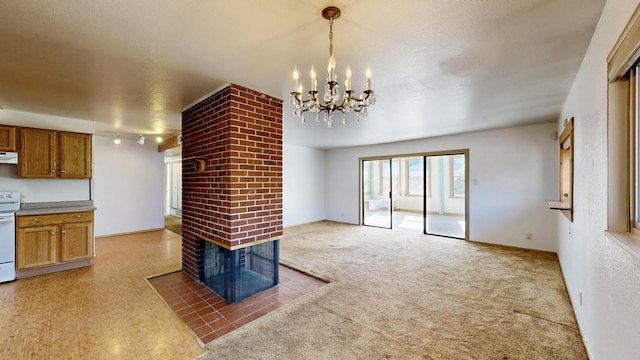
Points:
[(330, 37)]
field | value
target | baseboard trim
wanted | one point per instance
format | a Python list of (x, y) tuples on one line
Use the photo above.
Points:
[(130, 233), (21, 274)]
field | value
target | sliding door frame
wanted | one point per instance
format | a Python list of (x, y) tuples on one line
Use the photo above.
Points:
[(362, 209), (419, 154), (464, 152)]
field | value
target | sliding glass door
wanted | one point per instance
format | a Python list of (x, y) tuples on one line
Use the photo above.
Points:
[(421, 192), (378, 181), (445, 205)]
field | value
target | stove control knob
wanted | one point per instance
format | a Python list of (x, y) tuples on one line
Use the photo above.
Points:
[(3, 195)]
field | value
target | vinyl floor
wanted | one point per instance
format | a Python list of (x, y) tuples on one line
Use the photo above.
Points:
[(106, 311)]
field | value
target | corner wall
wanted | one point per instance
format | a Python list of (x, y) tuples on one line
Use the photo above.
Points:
[(602, 278), (129, 185), (303, 185), (512, 172)]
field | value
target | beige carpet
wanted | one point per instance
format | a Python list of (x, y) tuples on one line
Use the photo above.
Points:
[(401, 295), (173, 224)]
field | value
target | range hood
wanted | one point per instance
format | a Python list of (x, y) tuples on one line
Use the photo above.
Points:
[(8, 157)]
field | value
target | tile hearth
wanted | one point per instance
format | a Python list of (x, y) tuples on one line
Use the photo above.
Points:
[(210, 317)]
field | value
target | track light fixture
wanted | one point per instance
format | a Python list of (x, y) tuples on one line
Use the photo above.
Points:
[(117, 140), (141, 140)]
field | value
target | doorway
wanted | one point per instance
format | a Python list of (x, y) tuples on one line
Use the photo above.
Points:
[(423, 192), (173, 189)]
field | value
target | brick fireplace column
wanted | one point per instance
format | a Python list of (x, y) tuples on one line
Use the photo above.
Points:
[(231, 173)]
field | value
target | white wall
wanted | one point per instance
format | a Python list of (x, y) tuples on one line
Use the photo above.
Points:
[(303, 185), (34, 190), (515, 170), (607, 276), (129, 186)]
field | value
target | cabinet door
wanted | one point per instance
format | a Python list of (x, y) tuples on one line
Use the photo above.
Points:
[(76, 241), (37, 153), (7, 138), (36, 246), (75, 155)]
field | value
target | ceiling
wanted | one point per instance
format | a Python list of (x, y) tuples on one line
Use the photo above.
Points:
[(439, 67)]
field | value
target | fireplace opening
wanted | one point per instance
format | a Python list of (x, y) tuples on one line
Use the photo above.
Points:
[(238, 274)]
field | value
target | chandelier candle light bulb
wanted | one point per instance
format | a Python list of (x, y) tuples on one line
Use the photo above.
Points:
[(332, 99), (296, 75), (314, 81), (347, 80)]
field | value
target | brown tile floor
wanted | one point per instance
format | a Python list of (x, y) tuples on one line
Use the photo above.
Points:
[(210, 317)]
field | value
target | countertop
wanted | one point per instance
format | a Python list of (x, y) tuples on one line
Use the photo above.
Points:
[(58, 207)]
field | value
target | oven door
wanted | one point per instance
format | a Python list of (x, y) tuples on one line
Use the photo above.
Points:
[(7, 237)]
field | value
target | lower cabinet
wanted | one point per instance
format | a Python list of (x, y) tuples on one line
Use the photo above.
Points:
[(53, 239)]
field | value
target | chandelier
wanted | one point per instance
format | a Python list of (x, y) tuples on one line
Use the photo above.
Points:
[(331, 100)]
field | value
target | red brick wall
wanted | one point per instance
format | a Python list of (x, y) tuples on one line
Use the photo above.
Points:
[(237, 199)]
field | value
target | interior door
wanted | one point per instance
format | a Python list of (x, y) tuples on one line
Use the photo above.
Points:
[(176, 185), (445, 201), (377, 184)]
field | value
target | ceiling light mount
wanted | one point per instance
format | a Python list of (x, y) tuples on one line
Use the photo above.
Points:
[(331, 13), (331, 101)]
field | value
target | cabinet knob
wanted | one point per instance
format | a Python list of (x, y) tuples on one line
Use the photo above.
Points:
[(62, 171), (53, 170), (64, 231), (35, 220), (53, 233), (78, 216)]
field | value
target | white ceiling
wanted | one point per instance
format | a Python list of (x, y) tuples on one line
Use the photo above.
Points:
[(439, 67)]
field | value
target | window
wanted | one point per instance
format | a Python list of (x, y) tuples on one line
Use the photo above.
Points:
[(415, 177), (623, 139), (623, 200), (456, 176), (390, 174)]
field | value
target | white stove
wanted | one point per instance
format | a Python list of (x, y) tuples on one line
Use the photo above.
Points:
[(9, 204)]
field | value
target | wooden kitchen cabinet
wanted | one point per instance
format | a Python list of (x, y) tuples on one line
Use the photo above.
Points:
[(36, 246), (37, 158), (8, 138), (76, 241), (46, 154), (53, 239), (75, 155)]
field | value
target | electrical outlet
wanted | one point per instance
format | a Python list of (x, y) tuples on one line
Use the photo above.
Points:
[(580, 298), (529, 236)]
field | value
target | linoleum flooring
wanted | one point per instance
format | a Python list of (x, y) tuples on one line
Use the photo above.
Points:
[(106, 311)]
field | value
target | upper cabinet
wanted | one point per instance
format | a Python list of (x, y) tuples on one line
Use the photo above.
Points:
[(8, 138), (54, 154), (37, 158), (75, 155)]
